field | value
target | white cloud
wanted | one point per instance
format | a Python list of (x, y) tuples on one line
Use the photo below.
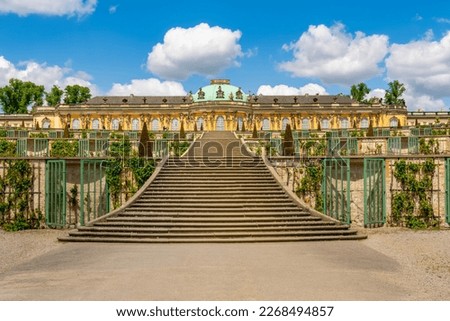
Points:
[(113, 9), (148, 87), (48, 7), (281, 90), (41, 74), (336, 57), (442, 20), (201, 50), (423, 102), (378, 93), (424, 67)]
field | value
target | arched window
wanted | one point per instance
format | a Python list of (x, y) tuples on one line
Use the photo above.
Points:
[(305, 124), (364, 123), (325, 123), (135, 124), (393, 122), (175, 124), (220, 123), (266, 124), (115, 124), (46, 123), (200, 122), (155, 125), (95, 124), (240, 122), (76, 124), (344, 123), (284, 122)]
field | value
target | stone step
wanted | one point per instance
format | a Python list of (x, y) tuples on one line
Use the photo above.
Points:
[(236, 194), (203, 229), (203, 234), (198, 199), (204, 202), (249, 239), (212, 219), (208, 209), (128, 223)]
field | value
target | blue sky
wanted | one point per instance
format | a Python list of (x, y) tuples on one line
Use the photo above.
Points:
[(158, 47)]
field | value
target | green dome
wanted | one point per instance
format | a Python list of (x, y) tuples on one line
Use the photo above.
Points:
[(219, 90)]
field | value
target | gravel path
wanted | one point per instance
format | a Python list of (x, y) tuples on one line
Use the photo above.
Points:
[(423, 256)]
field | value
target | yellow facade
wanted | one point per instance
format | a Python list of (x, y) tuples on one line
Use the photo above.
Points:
[(221, 106)]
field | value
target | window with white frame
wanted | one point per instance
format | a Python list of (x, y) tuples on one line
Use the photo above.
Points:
[(305, 124), (344, 123), (96, 124), (76, 124), (175, 124), (115, 124), (155, 125), (284, 122), (364, 123), (135, 124), (325, 123), (266, 124)]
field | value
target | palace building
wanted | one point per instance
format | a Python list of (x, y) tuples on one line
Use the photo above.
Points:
[(220, 106)]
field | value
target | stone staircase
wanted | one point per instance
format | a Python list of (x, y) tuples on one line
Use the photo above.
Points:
[(216, 193)]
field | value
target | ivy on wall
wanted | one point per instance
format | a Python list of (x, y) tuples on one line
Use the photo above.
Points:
[(16, 186), (412, 206), (310, 184)]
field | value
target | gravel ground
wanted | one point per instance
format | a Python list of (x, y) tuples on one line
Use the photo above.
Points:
[(424, 256)]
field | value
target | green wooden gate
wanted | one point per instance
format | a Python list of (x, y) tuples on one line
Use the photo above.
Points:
[(374, 192), (94, 192), (55, 193), (394, 145), (336, 189), (413, 145)]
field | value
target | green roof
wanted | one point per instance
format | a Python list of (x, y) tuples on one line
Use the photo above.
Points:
[(219, 90)]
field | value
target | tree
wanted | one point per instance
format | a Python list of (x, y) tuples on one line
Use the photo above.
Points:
[(54, 96), (182, 132), (195, 127), (75, 94), (66, 133), (370, 129), (16, 97), (243, 127), (288, 142), (144, 143), (359, 92), (254, 133), (393, 94)]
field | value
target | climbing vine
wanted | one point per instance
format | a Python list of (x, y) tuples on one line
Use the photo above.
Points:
[(310, 185), (16, 211), (125, 172), (412, 206)]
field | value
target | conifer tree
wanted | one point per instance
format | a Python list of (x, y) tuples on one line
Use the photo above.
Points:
[(370, 129), (182, 132), (288, 142), (144, 150), (66, 132), (243, 127), (255, 133)]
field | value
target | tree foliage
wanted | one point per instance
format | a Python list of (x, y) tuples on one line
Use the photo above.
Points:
[(54, 96), (359, 92), (16, 97), (288, 143), (145, 147), (75, 94), (394, 93)]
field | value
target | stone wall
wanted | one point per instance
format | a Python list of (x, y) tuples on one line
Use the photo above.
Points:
[(291, 172)]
